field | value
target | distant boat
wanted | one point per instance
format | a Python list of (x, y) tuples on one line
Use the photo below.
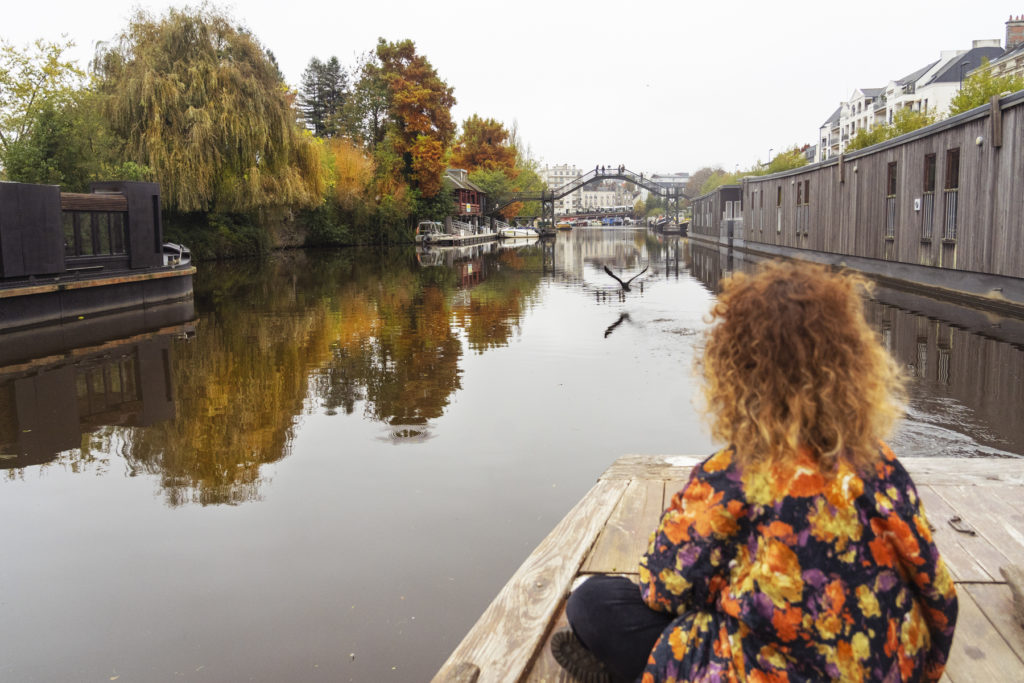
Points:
[(564, 225), (514, 232), (428, 231)]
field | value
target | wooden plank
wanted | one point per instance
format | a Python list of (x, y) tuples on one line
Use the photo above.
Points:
[(960, 471), (992, 519), (107, 201), (624, 538), (652, 467), (979, 652), (960, 551), (994, 600), (502, 642), (545, 669)]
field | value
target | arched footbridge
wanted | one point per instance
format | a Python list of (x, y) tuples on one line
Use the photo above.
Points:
[(671, 193)]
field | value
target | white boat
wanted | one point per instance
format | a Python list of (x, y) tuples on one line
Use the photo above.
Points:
[(428, 231), (513, 232), (176, 254)]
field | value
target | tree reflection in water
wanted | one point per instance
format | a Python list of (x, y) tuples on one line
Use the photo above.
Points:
[(342, 330)]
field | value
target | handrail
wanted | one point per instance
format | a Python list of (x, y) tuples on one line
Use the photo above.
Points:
[(587, 178)]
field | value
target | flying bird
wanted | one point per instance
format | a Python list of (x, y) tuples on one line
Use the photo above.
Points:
[(625, 285)]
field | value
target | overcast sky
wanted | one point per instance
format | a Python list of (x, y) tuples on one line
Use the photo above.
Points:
[(657, 86)]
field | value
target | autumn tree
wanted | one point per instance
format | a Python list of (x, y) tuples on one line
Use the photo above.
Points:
[(419, 112), (697, 180), (484, 144), (322, 95), (198, 100)]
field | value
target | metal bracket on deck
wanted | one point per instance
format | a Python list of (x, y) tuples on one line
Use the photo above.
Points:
[(963, 527)]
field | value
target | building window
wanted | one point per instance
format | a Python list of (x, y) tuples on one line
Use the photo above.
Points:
[(951, 191)]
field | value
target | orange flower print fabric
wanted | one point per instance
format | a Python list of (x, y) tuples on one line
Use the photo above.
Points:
[(777, 573)]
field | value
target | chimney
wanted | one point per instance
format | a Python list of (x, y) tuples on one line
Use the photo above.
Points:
[(1014, 32)]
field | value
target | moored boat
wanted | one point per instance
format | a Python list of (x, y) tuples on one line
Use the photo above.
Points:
[(514, 232), (68, 257)]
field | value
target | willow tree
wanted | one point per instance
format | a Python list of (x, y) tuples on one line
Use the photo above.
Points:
[(199, 101)]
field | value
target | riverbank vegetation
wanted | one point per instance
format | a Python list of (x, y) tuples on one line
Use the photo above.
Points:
[(192, 100)]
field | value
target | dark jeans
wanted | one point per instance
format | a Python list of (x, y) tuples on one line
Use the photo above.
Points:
[(609, 617)]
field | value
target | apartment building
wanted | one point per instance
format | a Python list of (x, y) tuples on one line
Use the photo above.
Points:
[(555, 177), (930, 88), (1011, 63)]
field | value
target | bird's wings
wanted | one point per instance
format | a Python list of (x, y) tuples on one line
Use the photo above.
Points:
[(608, 270), (635, 276)]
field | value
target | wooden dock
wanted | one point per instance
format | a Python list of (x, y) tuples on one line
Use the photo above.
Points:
[(974, 506)]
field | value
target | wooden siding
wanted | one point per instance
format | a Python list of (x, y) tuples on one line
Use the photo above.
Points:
[(74, 201), (846, 206)]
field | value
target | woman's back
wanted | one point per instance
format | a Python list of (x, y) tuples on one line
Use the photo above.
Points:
[(782, 569)]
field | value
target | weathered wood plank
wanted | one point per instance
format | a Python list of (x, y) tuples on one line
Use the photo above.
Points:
[(994, 600), (1000, 524), (545, 669), (979, 652), (104, 201), (959, 551), (951, 471), (652, 467), (624, 538), (504, 639)]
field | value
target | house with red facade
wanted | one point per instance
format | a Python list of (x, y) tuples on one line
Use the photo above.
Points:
[(469, 198)]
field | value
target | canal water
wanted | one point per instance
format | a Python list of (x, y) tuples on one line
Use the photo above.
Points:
[(328, 471)]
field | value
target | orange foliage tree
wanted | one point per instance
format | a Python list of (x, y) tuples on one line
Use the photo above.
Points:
[(484, 144), (420, 112)]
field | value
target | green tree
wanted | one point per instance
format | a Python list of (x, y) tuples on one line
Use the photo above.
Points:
[(322, 95), (363, 117), (903, 121), (697, 180), (197, 99), (980, 87), (67, 144), (32, 79)]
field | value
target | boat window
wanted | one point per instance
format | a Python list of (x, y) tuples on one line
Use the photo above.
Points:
[(102, 233), (68, 223)]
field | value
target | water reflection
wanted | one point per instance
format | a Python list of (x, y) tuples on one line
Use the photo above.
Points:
[(80, 386), (966, 367)]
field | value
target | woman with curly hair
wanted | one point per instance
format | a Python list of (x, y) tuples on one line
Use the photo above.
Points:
[(800, 552)]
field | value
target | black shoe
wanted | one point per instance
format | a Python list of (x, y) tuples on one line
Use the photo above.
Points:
[(580, 662)]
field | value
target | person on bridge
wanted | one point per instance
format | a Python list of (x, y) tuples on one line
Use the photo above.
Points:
[(801, 551)]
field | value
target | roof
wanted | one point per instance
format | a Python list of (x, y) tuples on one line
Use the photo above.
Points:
[(1011, 53), (872, 92), (455, 182), (913, 77), (952, 73), (834, 118)]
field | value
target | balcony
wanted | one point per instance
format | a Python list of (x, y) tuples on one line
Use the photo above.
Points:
[(467, 209)]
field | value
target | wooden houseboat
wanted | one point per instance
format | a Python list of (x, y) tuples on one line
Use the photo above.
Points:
[(66, 257), (937, 209)]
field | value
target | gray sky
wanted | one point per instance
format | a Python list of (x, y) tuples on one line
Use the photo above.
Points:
[(659, 86)]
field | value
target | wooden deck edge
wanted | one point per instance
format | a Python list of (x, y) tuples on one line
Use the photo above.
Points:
[(925, 471), (504, 640)]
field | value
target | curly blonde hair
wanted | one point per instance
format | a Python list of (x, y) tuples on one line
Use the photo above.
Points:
[(791, 363)]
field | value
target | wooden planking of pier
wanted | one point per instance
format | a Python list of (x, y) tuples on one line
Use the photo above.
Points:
[(972, 504)]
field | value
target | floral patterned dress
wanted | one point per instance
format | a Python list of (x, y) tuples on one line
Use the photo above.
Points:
[(780, 574)]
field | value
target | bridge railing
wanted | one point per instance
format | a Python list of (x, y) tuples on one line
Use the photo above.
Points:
[(591, 176)]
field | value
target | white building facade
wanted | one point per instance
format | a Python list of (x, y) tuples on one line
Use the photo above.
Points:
[(929, 89), (555, 177)]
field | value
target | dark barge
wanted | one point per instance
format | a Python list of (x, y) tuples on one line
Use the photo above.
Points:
[(68, 257)]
